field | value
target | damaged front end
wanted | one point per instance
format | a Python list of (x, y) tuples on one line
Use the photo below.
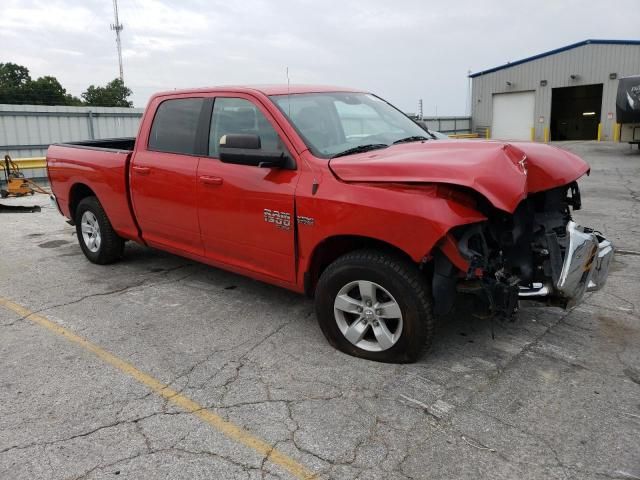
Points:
[(536, 253)]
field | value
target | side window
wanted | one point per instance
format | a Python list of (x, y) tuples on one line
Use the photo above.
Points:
[(237, 115), (175, 125)]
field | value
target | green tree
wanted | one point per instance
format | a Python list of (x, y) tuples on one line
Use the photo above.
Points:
[(46, 91), (114, 94), (13, 75), (73, 101), (17, 87), (13, 79)]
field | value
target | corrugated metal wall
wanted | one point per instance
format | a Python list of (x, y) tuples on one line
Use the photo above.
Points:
[(592, 63), (448, 125), (27, 130)]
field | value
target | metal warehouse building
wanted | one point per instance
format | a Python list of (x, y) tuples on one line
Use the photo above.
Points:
[(564, 94)]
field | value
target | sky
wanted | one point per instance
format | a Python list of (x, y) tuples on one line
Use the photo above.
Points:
[(402, 50)]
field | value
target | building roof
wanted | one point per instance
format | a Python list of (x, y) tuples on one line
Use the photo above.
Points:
[(553, 52)]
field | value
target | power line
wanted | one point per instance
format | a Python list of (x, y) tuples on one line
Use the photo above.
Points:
[(117, 27)]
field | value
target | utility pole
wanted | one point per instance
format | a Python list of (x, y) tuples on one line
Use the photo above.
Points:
[(117, 27)]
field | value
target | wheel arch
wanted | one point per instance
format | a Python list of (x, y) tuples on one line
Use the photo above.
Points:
[(77, 193), (331, 248)]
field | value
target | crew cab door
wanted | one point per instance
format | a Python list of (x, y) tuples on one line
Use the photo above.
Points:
[(163, 176), (246, 212)]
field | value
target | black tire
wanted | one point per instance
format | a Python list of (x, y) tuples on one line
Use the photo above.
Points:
[(4, 193), (111, 245), (402, 280)]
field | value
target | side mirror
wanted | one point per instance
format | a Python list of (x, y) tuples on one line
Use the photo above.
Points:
[(246, 141), (244, 149)]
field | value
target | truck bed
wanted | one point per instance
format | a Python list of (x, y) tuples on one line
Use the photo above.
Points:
[(124, 143), (101, 166)]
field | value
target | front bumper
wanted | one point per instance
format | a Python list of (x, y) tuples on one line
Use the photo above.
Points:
[(585, 268), (602, 263)]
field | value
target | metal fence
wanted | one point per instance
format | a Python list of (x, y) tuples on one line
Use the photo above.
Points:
[(448, 125), (28, 130)]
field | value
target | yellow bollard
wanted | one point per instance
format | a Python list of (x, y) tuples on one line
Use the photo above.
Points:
[(616, 132), (533, 134), (487, 134), (546, 134), (599, 132)]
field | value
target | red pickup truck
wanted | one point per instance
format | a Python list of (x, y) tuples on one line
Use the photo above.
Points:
[(336, 193)]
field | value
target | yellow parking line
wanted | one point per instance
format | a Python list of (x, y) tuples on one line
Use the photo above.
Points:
[(231, 430)]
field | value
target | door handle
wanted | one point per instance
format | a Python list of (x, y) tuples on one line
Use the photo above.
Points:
[(141, 170), (209, 180)]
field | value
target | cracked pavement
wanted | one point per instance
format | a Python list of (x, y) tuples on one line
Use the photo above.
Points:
[(555, 395)]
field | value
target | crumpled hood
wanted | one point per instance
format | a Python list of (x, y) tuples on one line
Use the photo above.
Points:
[(493, 169)]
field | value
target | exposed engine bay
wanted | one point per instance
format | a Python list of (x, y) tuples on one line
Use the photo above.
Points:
[(536, 253)]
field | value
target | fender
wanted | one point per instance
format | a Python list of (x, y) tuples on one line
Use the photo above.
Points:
[(411, 218)]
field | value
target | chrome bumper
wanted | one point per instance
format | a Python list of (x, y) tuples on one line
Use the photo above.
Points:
[(602, 262), (585, 268)]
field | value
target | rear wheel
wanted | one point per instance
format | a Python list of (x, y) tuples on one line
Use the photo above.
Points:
[(97, 238), (376, 306)]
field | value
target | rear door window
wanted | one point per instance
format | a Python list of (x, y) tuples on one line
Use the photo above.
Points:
[(175, 126)]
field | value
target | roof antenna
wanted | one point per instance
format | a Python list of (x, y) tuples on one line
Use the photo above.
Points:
[(288, 92)]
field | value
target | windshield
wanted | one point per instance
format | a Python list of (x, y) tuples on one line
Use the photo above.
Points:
[(339, 123)]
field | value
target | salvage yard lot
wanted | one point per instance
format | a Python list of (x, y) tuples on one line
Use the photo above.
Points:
[(254, 390)]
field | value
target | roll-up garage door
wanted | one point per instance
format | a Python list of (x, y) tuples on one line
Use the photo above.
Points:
[(513, 115)]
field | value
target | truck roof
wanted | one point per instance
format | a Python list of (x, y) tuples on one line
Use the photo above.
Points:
[(271, 89)]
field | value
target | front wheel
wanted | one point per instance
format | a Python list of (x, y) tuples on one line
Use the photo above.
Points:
[(375, 305), (98, 240)]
